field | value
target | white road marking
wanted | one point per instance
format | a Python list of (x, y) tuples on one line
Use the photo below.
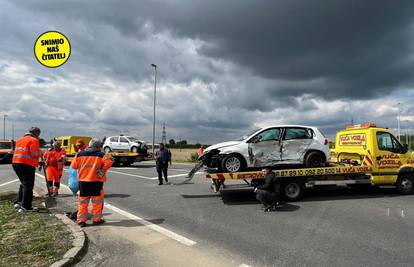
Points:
[(10, 182), (244, 265), (123, 168), (402, 214), (159, 229), (388, 212), (177, 169), (134, 175), (178, 175)]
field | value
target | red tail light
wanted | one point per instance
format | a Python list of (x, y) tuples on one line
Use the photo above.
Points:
[(326, 142)]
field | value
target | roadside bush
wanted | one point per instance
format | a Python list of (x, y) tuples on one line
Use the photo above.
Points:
[(194, 157)]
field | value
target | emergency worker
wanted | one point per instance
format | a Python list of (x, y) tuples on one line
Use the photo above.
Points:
[(55, 159), (92, 165), (200, 151), (25, 160), (162, 157), (268, 193)]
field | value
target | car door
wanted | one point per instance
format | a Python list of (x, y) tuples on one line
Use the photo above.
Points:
[(295, 143), (114, 143), (388, 160), (264, 148), (123, 143)]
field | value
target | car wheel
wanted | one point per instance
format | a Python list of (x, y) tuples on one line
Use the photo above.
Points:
[(405, 184), (232, 163), (315, 159), (293, 190), (107, 149), (134, 149)]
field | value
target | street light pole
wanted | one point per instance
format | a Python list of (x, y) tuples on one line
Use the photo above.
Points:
[(399, 133), (155, 97), (4, 126)]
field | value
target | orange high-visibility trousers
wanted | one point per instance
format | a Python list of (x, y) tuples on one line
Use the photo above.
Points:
[(53, 175), (97, 207)]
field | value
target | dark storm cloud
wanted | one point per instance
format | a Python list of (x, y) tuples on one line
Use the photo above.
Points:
[(359, 48)]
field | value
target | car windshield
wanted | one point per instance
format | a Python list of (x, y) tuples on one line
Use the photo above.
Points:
[(244, 137), (133, 139), (5, 145)]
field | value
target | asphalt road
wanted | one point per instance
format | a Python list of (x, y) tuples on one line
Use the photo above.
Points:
[(330, 227)]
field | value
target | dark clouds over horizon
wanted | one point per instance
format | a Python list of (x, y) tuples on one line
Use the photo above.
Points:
[(224, 66)]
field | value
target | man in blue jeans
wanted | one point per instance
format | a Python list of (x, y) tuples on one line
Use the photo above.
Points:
[(162, 157)]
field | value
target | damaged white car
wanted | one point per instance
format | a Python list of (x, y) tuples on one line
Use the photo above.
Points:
[(268, 147)]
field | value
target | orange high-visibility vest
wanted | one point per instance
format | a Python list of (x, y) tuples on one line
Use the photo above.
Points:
[(27, 151), (200, 151), (88, 163), (55, 158)]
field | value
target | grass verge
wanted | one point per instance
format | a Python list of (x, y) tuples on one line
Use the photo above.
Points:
[(30, 239)]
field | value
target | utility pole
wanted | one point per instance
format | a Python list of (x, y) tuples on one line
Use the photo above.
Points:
[(164, 135), (406, 132), (4, 126), (12, 131), (155, 97)]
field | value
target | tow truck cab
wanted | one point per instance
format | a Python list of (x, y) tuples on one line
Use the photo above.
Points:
[(6, 150), (389, 159)]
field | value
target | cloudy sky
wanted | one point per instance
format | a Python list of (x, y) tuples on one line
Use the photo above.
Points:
[(224, 67)]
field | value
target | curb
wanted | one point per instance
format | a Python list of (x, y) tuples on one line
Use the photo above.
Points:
[(79, 244)]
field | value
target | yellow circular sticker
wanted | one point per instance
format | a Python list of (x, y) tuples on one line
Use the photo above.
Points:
[(52, 49)]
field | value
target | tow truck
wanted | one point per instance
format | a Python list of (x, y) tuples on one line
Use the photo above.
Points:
[(364, 154), (6, 150), (121, 158)]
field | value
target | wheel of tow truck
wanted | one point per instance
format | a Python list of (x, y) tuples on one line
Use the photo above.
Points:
[(107, 149), (134, 149), (315, 159), (293, 190), (405, 184), (232, 163)]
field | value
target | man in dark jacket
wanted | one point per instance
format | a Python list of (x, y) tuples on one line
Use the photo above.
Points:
[(162, 157), (268, 193)]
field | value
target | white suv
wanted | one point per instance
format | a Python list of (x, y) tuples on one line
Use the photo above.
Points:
[(125, 144), (271, 146)]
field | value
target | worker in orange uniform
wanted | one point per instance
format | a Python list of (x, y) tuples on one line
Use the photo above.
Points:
[(25, 160), (92, 165), (200, 151), (55, 159)]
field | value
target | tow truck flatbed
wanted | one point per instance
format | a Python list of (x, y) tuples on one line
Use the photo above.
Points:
[(294, 181), (292, 173)]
